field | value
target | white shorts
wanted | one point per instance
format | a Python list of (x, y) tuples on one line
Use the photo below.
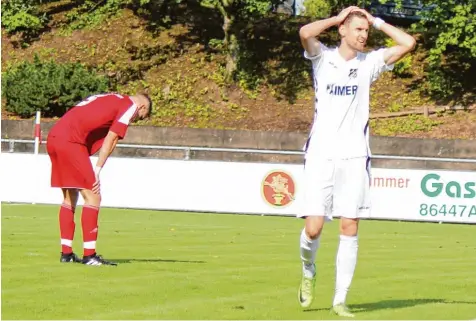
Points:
[(336, 188)]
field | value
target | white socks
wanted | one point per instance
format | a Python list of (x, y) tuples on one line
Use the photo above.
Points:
[(346, 261), (345, 266), (308, 249)]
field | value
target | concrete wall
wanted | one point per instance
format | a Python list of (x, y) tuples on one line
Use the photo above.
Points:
[(259, 140)]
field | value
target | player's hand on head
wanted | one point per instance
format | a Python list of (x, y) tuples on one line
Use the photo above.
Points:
[(370, 18), (344, 13)]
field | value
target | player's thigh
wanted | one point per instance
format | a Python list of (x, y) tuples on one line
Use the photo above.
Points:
[(70, 196), (351, 190), (318, 183), (76, 168), (51, 144)]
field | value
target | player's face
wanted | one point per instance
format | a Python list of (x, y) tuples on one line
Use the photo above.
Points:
[(356, 33), (144, 107), (143, 111)]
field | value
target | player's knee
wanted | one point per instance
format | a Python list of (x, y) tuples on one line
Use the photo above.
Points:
[(313, 232), (314, 226), (349, 226), (91, 198)]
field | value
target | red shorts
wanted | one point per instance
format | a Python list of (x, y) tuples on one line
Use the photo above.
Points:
[(70, 164)]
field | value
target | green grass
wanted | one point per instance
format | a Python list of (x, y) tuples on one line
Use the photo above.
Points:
[(217, 266)]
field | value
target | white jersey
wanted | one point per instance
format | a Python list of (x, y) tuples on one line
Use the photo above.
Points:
[(342, 93)]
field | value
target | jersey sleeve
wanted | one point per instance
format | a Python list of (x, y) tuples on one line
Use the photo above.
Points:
[(378, 65), (123, 119), (317, 59)]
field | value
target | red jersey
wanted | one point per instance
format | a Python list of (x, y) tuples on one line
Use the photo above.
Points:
[(90, 120)]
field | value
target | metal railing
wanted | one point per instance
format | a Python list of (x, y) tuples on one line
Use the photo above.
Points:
[(188, 149)]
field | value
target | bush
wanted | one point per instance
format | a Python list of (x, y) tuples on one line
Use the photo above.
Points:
[(49, 87), (21, 15)]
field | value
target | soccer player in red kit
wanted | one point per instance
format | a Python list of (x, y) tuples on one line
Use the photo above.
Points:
[(95, 124)]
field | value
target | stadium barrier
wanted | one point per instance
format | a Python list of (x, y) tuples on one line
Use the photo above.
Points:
[(187, 150), (245, 188)]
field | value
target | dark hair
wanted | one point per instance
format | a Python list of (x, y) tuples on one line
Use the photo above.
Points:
[(352, 15), (150, 104)]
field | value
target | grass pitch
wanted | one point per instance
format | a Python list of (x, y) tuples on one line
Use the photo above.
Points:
[(218, 266)]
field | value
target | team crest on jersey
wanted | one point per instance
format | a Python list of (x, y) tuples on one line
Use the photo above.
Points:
[(278, 188), (353, 73)]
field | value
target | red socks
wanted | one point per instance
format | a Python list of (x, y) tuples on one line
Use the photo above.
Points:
[(89, 222), (66, 223)]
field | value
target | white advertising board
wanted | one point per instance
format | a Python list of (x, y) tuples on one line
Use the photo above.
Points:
[(426, 195), (237, 187)]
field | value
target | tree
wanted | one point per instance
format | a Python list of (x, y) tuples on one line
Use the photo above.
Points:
[(234, 12), (450, 28)]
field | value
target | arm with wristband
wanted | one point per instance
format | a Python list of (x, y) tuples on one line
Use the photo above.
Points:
[(405, 42)]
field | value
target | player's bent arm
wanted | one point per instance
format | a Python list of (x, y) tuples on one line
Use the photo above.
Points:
[(405, 43), (309, 33), (107, 148)]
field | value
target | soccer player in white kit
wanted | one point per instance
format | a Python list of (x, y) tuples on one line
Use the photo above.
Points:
[(337, 158)]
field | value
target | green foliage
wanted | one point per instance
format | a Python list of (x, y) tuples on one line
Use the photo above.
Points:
[(319, 9), (22, 15), (404, 65), (216, 44), (242, 8), (451, 33), (194, 98), (248, 80), (403, 125), (268, 58), (49, 87), (91, 13), (235, 12), (395, 107), (325, 8)]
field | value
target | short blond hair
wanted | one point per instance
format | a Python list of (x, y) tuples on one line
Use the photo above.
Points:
[(352, 15)]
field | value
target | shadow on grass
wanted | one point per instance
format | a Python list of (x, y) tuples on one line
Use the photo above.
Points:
[(316, 310), (398, 304), (153, 261), (393, 304)]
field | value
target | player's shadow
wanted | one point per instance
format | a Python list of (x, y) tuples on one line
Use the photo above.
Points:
[(392, 304), (153, 261), (316, 310)]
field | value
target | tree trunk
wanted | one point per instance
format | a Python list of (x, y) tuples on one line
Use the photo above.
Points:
[(232, 47)]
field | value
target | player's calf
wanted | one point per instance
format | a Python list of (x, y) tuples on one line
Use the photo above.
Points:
[(89, 221)]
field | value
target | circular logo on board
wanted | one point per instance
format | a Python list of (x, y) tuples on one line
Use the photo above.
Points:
[(278, 188)]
